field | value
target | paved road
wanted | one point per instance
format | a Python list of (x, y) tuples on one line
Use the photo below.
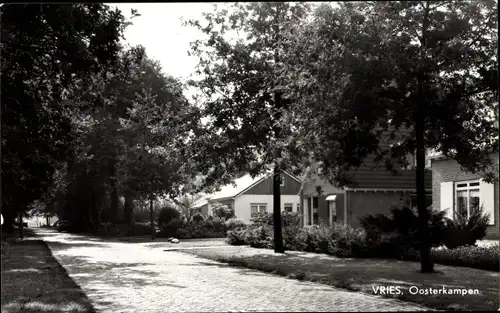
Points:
[(131, 277)]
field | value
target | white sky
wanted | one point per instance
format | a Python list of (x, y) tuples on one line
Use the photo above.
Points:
[(159, 29)]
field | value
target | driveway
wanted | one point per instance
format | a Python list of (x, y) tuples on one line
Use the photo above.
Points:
[(143, 277)]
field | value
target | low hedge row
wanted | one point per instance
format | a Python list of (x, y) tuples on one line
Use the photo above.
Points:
[(207, 228), (344, 241)]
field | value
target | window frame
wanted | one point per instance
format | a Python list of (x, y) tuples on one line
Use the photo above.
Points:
[(458, 187), (259, 209), (290, 206)]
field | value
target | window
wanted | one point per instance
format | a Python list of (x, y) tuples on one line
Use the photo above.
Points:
[(282, 180), (298, 207), (466, 198), (315, 209), (289, 207), (332, 208), (257, 208)]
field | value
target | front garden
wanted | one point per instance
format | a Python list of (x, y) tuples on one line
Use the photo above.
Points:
[(395, 237)]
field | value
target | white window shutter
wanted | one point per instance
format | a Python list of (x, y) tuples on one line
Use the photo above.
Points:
[(447, 198), (487, 198)]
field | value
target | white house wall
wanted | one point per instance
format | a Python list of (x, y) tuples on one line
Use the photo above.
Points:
[(242, 204)]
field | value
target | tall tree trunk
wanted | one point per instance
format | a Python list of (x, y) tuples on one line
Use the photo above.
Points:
[(114, 192), (128, 211), (21, 231), (152, 219), (278, 237), (8, 219), (427, 266)]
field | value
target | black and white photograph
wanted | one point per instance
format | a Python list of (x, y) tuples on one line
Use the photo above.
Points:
[(336, 156)]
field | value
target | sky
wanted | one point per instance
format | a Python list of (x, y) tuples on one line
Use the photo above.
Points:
[(159, 29)]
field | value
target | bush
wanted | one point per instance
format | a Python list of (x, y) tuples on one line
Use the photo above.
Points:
[(222, 211), (234, 223), (198, 217), (465, 231), (316, 239), (171, 228), (287, 219), (294, 238), (236, 236), (139, 229), (401, 230), (182, 229), (486, 258), (260, 237), (166, 215), (346, 241)]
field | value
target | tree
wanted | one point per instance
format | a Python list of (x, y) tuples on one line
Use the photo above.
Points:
[(425, 71), (186, 203), (247, 125), (47, 49)]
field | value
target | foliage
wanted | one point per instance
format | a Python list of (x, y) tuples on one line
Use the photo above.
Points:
[(183, 229), (260, 236), (396, 78), (287, 219), (401, 229), (463, 231), (361, 65), (62, 47), (198, 217), (486, 258), (167, 215), (248, 125), (234, 223), (186, 203), (222, 211), (236, 236)]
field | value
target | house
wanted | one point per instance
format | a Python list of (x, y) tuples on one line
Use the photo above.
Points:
[(455, 190), (249, 196), (201, 205), (377, 190)]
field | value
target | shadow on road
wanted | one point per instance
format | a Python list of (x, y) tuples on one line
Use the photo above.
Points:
[(33, 281)]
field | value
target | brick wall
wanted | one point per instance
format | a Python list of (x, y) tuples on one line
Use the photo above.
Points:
[(449, 170)]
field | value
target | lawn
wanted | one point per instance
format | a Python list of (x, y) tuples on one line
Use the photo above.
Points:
[(33, 281), (363, 274)]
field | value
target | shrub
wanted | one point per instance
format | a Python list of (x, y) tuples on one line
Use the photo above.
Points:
[(234, 223), (287, 219), (236, 236), (316, 239), (346, 241), (198, 217), (465, 231), (222, 211), (486, 258), (170, 229), (260, 237), (402, 229), (166, 215), (294, 238), (140, 229)]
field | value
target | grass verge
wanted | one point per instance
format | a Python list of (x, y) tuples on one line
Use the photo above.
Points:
[(33, 281), (364, 274)]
